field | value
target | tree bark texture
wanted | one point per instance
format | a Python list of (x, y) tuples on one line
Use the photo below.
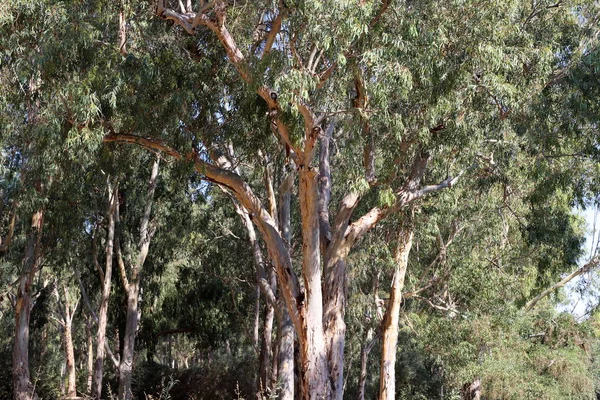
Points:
[(285, 371), (70, 357), (23, 389), (315, 371), (387, 379), (90, 356), (67, 312), (106, 282)]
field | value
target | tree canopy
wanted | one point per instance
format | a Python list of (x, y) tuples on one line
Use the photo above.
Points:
[(297, 199)]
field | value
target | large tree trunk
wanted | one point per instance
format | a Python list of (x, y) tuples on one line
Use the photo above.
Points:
[(23, 389), (387, 379), (126, 364), (313, 352), (106, 281), (133, 289)]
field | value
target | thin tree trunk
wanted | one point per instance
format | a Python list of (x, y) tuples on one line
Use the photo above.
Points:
[(364, 359), (256, 330), (66, 322), (387, 379), (266, 351), (90, 356), (70, 358), (133, 289), (266, 348), (23, 389), (103, 312), (285, 371)]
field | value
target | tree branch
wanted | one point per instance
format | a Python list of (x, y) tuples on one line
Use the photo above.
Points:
[(325, 187), (243, 193), (585, 268), (275, 29)]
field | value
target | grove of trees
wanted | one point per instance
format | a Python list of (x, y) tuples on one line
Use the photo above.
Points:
[(307, 199)]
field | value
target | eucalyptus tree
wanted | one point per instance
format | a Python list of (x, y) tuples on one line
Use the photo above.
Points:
[(417, 95), (430, 88)]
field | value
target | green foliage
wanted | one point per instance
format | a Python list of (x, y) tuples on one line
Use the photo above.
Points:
[(500, 91)]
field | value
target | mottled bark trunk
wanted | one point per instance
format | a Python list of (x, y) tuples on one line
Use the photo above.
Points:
[(313, 352), (387, 380), (335, 249), (335, 327), (266, 348), (285, 372), (66, 314), (256, 330), (70, 359), (126, 364), (133, 288), (472, 391), (23, 389), (90, 357), (106, 282)]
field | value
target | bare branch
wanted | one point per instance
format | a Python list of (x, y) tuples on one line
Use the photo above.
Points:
[(275, 29), (311, 58), (585, 268)]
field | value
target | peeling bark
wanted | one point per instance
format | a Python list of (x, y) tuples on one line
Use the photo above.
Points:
[(315, 371)]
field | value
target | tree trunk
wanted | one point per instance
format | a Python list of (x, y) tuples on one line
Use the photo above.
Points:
[(126, 364), (103, 312), (387, 379), (66, 322), (90, 356), (23, 389), (472, 391), (285, 371), (70, 358), (256, 330), (364, 358), (133, 289), (266, 348), (313, 352)]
